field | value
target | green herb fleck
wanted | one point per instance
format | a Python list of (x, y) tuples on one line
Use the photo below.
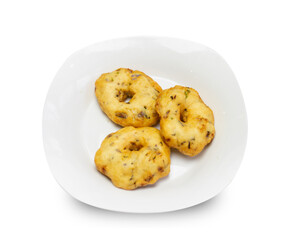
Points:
[(186, 93)]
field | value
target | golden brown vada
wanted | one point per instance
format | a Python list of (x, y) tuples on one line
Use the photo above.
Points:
[(133, 157), (128, 97), (186, 123)]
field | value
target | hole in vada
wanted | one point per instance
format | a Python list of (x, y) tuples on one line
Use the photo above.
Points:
[(133, 146), (124, 96), (128, 100), (183, 115)]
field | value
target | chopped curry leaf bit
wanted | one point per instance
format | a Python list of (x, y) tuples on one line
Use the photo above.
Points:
[(121, 115), (141, 114), (187, 93), (166, 114), (160, 169)]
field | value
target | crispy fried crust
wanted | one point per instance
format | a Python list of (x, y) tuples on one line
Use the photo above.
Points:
[(113, 89), (133, 157), (186, 123)]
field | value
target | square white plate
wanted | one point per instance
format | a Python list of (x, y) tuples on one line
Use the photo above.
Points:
[(74, 125)]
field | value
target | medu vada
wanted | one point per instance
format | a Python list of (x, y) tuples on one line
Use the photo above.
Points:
[(186, 122), (133, 157), (128, 97)]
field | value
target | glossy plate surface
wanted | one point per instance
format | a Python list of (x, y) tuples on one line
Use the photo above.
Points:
[(74, 125)]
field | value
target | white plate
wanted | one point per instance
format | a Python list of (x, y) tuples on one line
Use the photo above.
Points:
[(74, 125)]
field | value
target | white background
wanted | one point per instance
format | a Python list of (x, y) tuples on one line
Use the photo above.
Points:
[(36, 38)]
